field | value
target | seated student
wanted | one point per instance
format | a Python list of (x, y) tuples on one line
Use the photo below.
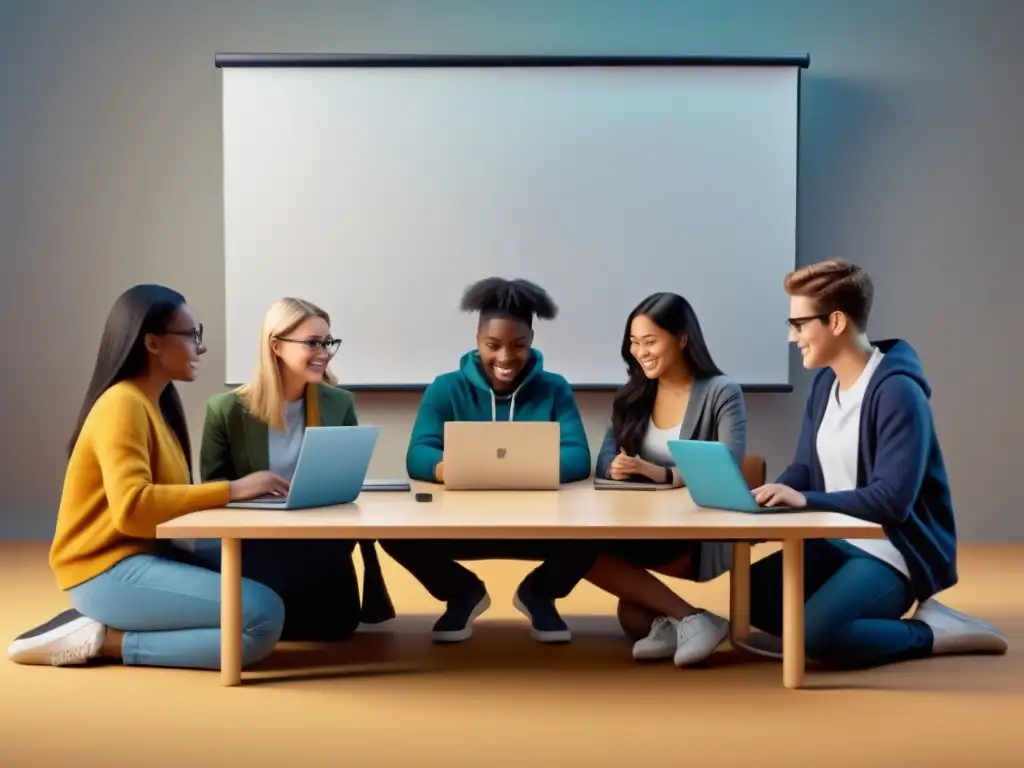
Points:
[(502, 380), (260, 426), (674, 391), (868, 448), (130, 471)]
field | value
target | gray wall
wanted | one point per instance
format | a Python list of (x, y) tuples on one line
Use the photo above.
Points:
[(911, 165)]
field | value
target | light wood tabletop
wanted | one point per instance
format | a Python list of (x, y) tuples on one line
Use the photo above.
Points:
[(576, 511)]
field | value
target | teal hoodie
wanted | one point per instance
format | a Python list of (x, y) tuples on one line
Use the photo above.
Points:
[(466, 395)]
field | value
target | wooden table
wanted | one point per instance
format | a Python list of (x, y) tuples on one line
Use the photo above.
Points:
[(577, 511)]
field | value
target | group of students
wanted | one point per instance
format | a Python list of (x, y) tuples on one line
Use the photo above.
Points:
[(867, 448)]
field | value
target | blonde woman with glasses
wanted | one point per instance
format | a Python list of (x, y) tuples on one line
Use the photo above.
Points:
[(259, 426)]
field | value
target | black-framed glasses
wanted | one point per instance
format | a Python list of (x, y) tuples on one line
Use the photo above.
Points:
[(196, 334), (797, 322), (329, 345)]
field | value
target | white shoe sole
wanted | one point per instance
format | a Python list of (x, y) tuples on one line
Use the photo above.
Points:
[(40, 649), (458, 635), (761, 644), (653, 654), (557, 636)]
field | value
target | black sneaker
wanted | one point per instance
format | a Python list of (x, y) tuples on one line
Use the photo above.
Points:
[(456, 623), (67, 638), (546, 625)]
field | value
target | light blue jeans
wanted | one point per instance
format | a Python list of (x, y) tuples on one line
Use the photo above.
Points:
[(169, 612)]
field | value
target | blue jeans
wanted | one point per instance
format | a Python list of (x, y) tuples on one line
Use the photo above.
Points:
[(169, 612), (853, 606)]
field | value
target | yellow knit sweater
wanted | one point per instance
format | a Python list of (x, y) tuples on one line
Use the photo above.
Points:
[(127, 474)]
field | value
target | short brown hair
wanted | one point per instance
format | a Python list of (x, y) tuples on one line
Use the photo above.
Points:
[(835, 286)]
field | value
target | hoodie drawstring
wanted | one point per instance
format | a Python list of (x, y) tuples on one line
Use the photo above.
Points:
[(511, 407)]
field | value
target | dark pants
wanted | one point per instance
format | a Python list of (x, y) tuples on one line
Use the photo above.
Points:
[(433, 563), (854, 602), (315, 578)]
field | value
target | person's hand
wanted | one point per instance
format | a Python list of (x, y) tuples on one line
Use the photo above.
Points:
[(258, 484), (778, 495), (439, 472), (624, 465)]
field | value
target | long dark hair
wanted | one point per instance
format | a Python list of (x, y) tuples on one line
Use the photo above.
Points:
[(634, 402), (122, 354)]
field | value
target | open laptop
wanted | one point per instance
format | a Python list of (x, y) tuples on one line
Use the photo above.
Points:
[(715, 481), (330, 470), (501, 455)]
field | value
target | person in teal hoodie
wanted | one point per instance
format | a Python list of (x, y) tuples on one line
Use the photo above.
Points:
[(502, 380)]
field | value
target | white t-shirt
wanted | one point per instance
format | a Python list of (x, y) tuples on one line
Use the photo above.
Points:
[(838, 446), (654, 447)]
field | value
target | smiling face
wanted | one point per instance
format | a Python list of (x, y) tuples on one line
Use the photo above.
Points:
[(177, 350), (300, 352), (817, 335), (504, 347), (654, 348)]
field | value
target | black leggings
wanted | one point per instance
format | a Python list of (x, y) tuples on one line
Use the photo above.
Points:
[(315, 578)]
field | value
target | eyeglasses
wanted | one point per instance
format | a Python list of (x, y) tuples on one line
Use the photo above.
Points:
[(195, 333), (329, 345), (797, 323)]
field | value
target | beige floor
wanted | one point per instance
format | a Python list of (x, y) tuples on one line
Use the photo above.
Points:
[(390, 698)]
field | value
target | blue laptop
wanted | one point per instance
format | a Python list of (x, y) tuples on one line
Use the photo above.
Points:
[(715, 481), (331, 468)]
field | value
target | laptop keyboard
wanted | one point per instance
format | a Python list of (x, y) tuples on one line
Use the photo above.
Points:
[(270, 497)]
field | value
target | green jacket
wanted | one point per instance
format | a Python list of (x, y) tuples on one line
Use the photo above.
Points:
[(235, 444)]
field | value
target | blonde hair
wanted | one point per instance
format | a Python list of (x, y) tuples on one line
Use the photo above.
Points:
[(263, 396)]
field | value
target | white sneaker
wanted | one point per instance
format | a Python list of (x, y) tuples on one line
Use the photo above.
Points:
[(67, 638), (955, 632), (698, 636), (660, 642)]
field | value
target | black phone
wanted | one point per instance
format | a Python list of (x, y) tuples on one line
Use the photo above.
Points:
[(424, 497)]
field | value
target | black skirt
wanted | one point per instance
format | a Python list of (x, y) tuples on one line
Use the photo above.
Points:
[(655, 553)]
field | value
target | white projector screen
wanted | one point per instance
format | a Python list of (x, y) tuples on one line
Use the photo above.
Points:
[(381, 187)]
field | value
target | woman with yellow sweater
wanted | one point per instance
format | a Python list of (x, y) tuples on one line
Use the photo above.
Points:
[(134, 600)]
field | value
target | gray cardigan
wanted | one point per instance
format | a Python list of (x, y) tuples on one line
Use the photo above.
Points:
[(716, 412)]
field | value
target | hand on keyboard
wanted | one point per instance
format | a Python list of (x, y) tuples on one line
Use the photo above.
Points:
[(778, 495)]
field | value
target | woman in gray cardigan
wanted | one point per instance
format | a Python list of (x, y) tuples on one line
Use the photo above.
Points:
[(674, 391)]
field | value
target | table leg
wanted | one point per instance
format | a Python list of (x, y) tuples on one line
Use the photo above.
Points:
[(231, 612), (793, 613), (739, 593)]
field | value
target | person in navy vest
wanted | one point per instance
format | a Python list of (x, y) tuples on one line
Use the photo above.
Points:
[(868, 448)]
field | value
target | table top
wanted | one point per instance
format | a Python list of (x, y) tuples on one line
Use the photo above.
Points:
[(576, 511)]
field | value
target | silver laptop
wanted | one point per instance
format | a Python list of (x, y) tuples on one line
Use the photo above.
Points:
[(330, 470), (386, 484), (501, 455)]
